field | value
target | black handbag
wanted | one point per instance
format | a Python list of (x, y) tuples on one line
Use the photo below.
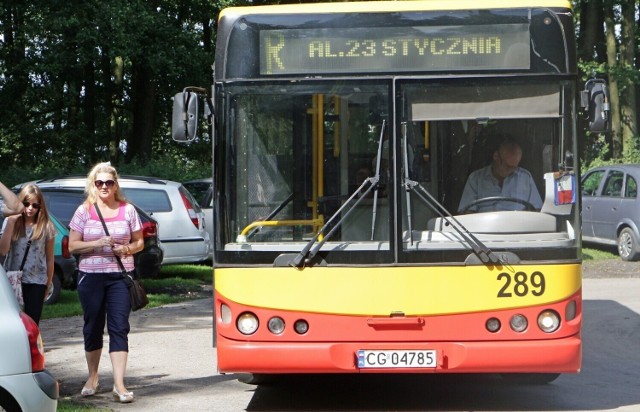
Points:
[(137, 294)]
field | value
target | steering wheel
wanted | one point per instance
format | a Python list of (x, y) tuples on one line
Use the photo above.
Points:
[(492, 199)]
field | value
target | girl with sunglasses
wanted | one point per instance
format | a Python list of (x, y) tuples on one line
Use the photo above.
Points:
[(102, 290), (29, 237)]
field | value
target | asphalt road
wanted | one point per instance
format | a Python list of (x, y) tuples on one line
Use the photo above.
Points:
[(172, 366)]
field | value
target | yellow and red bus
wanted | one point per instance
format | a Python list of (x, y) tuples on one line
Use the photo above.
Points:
[(344, 134)]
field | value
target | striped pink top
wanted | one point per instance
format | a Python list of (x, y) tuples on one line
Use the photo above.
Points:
[(102, 259)]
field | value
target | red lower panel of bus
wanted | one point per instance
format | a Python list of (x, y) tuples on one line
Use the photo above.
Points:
[(545, 356), (456, 343)]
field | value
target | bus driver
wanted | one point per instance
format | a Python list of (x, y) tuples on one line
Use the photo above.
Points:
[(502, 178)]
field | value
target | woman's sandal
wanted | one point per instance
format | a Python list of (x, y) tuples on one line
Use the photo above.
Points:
[(126, 397), (89, 391)]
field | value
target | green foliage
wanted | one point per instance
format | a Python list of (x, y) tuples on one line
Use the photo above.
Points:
[(176, 283), (598, 254), (598, 153), (64, 108), (67, 404), (169, 166)]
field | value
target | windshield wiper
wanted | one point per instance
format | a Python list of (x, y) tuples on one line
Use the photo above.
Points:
[(378, 167), (307, 253), (371, 183), (479, 248)]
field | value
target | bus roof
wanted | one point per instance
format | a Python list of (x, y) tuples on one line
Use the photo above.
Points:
[(391, 6)]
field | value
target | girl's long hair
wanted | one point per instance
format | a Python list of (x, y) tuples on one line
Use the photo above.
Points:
[(43, 227), (90, 189)]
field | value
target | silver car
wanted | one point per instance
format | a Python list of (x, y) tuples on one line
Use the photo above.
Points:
[(611, 208), (25, 385), (181, 222)]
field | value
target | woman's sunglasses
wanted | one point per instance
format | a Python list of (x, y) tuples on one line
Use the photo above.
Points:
[(100, 183), (33, 205)]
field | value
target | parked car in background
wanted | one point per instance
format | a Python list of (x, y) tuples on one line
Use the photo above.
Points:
[(202, 190), (611, 208), (65, 265), (25, 384), (177, 213), (63, 202)]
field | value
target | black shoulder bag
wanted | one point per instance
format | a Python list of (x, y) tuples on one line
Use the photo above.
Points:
[(137, 294)]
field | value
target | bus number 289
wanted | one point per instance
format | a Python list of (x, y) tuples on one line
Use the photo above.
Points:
[(520, 284)]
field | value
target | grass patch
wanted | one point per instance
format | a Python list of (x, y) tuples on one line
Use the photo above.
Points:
[(67, 405), (599, 253), (201, 272), (176, 283)]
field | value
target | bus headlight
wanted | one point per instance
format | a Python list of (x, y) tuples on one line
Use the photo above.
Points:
[(301, 326), (247, 323), (518, 323), (276, 325), (548, 321), (493, 325)]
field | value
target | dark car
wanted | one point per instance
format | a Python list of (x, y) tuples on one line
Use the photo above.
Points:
[(611, 208), (63, 202)]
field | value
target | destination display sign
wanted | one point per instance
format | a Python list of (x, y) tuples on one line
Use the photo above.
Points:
[(394, 49)]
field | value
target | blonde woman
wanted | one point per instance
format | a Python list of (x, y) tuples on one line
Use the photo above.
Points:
[(28, 237), (103, 293)]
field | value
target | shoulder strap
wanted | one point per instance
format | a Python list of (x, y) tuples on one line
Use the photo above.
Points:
[(106, 232), (26, 251)]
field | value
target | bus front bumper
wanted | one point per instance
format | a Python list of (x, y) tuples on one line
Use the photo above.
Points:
[(536, 356)]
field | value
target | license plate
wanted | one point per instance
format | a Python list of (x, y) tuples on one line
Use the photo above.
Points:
[(397, 358)]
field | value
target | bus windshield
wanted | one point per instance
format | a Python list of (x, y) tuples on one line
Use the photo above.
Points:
[(319, 161)]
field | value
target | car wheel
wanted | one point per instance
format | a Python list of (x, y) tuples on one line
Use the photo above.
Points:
[(628, 245), (7, 403), (54, 292)]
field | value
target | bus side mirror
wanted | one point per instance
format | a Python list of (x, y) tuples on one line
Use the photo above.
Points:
[(595, 100), (184, 123)]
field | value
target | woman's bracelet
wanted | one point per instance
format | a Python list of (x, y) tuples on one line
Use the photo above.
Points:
[(128, 250)]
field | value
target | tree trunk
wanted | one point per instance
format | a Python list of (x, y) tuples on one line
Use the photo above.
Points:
[(612, 62), (628, 97), (143, 107), (592, 37), (89, 106), (114, 124)]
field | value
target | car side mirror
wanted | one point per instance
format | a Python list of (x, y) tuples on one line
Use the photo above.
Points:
[(595, 100)]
